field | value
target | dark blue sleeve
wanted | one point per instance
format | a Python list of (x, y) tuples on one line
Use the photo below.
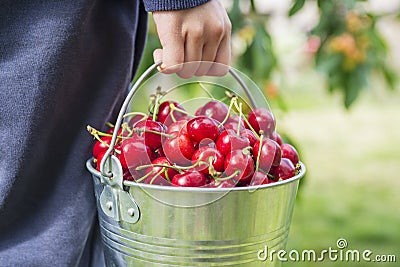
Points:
[(164, 5)]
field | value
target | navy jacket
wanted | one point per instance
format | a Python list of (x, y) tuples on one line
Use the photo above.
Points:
[(63, 64)]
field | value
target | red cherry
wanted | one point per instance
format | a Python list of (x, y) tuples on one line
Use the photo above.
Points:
[(136, 118), (99, 158), (277, 138), (134, 153), (127, 176), (214, 109), (202, 127), (111, 130), (262, 119), (99, 147), (189, 179), (198, 112), (228, 140), (284, 170), (250, 135), (177, 127), (179, 149), (186, 117), (223, 184), (270, 154), (204, 143), (289, 152), (234, 126), (260, 178), (241, 163), (132, 175), (160, 178), (205, 154), (164, 112), (235, 120), (153, 138)]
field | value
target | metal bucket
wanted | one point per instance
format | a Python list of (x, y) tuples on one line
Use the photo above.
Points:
[(150, 225), (230, 230)]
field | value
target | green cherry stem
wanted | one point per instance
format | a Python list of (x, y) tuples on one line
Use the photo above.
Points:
[(158, 174), (135, 113), (206, 90), (228, 177), (233, 100), (240, 121), (248, 123), (96, 134), (155, 165), (259, 153), (174, 108), (140, 130), (155, 109), (148, 174)]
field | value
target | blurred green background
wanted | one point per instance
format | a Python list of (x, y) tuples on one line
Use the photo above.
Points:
[(329, 70)]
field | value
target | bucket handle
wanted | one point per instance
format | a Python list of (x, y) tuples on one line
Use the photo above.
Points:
[(109, 174)]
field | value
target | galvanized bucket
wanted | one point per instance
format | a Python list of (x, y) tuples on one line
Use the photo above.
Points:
[(150, 225)]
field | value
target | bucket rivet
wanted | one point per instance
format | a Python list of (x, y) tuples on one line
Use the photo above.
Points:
[(109, 205), (131, 212)]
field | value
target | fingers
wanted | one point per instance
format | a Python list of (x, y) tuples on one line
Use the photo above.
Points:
[(158, 55), (193, 52), (222, 57), (208, 56), (173, 55), (199, 35)]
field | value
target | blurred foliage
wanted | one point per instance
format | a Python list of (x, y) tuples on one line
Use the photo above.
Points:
[(351, 48), (346, 45)]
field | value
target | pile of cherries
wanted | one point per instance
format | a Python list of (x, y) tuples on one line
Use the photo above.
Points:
[(217, 147)]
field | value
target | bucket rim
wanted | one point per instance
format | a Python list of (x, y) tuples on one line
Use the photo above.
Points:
[(302, 172)]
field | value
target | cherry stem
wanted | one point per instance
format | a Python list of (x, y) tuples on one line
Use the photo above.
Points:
[(211, 169), (174, 108), (246, 150), (206, 90), (125, 127), (174, 166), (259, 152), (240, 116), (229, 94), (97, 134), (248, 123), (155, 109), (233, 100), (171, 106), (141, 130), (271, 176), (109, 124), (166, 175), (159, 173), (147, 175), (135, 113), (223, 99), (155, 165), (156, 102), (228, 177)]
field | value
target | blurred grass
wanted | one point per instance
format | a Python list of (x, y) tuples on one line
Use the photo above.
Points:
[(353, 161)]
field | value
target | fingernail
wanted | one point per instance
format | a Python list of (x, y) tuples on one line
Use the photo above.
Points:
[(161, 67)]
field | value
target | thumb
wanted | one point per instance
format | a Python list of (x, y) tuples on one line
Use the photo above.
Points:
[(157, 55)]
